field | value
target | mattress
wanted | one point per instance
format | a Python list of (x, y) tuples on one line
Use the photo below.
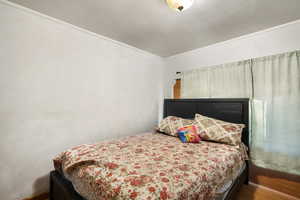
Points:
[(225, 188), (150, 166)]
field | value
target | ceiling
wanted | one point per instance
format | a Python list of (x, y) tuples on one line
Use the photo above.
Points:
[(150, 25)]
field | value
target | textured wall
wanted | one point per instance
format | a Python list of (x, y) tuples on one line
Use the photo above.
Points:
[(61, 86)]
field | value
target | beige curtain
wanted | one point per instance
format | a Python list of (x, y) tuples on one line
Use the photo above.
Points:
[(276, 112), (231, 80), (227, 81), (273, 84), (195, 83)]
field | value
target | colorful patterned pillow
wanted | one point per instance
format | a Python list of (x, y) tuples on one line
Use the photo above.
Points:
[(171, 124), (189, 134), (219, 131)]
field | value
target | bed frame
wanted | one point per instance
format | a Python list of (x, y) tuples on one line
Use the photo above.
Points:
[(231, 110)]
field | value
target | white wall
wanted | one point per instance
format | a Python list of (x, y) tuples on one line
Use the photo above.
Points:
[(61, 86), (276, 40)]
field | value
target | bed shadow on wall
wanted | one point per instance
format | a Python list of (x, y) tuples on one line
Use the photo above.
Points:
[(40, 188)]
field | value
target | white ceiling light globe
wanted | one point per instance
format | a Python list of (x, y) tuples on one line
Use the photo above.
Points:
[(180, 5)]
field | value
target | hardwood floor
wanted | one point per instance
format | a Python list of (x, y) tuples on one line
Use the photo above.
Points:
[(279, 181), (250, 192), (43, 196)]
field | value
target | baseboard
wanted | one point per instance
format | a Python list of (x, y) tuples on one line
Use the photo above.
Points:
[(278, 181), (274, 191), (43, 196)]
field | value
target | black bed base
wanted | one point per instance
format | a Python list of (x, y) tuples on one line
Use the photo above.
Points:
[(62, 189)]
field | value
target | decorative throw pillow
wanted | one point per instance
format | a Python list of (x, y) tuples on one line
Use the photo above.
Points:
[(189, 134), (219, 131), (171, 124)]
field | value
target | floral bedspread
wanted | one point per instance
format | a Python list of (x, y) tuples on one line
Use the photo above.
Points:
[(150, 166)]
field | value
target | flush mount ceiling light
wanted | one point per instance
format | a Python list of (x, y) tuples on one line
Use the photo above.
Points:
[(180, 5)]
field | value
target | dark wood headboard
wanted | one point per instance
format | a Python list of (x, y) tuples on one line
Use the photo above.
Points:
[(230, 110)]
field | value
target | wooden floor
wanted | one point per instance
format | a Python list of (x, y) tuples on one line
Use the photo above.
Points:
[(249, 192), (276, 180)]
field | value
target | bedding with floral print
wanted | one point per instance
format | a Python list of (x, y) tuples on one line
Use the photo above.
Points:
[(150, 166), (219, 131), (171, 124)]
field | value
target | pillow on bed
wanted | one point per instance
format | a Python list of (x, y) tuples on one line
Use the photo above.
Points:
[(189, 134), (219, 131), (171, 124)]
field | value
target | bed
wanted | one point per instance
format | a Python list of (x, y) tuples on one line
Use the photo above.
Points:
[(156, 166)]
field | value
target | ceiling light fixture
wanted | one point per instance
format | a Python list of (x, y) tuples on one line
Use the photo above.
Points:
[(180, 5)]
